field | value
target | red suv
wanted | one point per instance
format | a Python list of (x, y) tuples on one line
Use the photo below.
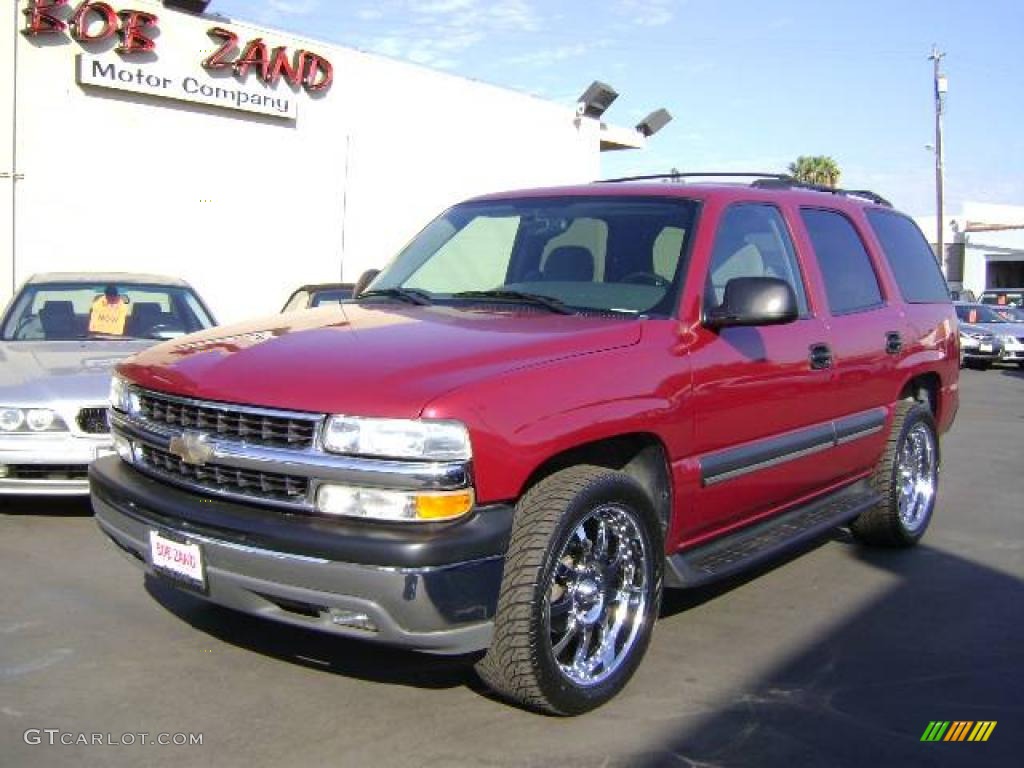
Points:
[(552, 404)]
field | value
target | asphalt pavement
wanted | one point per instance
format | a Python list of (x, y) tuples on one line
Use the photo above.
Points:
[(840, 656)]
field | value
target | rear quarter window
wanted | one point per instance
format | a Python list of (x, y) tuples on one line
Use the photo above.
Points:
[(913, 264)]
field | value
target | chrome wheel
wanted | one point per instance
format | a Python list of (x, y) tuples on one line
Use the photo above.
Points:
[(916, 475), (597, 601)]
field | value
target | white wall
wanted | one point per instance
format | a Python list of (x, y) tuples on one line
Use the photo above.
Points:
[(246, 207)]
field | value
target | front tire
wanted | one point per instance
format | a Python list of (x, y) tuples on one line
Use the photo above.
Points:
[(580, 592), (907, 476)]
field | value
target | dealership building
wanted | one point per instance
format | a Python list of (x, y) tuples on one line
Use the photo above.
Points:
[(138, 136)]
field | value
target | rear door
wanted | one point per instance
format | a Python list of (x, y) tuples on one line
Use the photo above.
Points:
[(868, 335)]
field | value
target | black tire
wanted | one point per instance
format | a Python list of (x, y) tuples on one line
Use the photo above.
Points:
[(521, 664), (884, 525)]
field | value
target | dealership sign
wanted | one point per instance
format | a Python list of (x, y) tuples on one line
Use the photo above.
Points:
[(111, 72), (93, 22)]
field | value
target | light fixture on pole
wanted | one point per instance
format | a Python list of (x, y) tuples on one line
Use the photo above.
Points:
[(941, 87)]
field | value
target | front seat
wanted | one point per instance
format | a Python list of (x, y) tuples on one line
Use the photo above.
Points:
[(58, 320), (144, 317), (569, 263)]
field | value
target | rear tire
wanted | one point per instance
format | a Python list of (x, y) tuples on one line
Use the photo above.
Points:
[(580, 592), (907, 477)]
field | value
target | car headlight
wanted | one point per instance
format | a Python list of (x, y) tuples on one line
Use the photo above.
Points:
[(30, 420), (425, 439), (123, 398)]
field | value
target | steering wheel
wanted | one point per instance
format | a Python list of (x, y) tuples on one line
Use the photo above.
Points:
[(646, 278)]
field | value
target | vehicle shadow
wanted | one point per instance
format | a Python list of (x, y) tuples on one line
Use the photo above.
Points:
[(46, 506), (314, 649), (943, 643)]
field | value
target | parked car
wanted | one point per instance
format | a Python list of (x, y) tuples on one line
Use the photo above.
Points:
[(1011, 297), (315, 295), (979, 347), (1010, 334), (551, 405), (62, 334)]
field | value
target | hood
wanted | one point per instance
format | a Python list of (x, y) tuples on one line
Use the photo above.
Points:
[(975, 330), (44, 372), (999, 329), (381, 360)]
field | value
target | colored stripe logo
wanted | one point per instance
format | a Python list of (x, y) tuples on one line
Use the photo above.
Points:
[(958, 730)]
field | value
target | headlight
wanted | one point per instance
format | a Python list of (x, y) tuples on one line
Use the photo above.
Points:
[(398, 438), (122, 398), (398, 506), (30, 420)]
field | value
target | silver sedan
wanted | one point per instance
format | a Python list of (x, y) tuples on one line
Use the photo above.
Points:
[(60, 338)]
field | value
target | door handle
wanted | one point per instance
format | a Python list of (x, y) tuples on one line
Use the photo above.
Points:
[(893, 343), (821, 357)]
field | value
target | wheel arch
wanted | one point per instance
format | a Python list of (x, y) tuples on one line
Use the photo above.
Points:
[(640, 455), (923, 388)]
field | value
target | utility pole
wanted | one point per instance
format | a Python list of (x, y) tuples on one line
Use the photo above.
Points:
[(941, 86)]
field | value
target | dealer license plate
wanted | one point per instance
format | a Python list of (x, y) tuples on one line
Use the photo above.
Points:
[(177, 560), (985, 347)]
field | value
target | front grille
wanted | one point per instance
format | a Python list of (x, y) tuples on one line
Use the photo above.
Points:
[(93, 421), (214, 477), (47, 471), (248, 425)]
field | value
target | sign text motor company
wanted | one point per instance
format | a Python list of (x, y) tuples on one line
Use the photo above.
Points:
[(93, 22)]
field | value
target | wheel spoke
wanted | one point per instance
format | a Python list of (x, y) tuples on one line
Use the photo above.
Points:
[(582, 648), (601, 540), (570, 633)]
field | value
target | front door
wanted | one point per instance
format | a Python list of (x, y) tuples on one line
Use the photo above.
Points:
[(761, 399)]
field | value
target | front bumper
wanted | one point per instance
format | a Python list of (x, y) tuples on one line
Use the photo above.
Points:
[(429, 588), (1013, 352), (49, 465)]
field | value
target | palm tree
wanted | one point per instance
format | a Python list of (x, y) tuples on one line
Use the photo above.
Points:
[(816, 169)]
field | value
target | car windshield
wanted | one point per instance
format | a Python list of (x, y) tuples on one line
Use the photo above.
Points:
[(582, 254), (83, 311), (978, 313), (1010, 314)]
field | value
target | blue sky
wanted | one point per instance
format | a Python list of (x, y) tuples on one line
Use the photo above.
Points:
[(751, 84)]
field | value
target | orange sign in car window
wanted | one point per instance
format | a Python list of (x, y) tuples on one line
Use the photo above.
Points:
[(107, 317)]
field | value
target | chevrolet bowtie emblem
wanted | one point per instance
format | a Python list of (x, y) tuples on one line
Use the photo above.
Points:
[(192, 448)]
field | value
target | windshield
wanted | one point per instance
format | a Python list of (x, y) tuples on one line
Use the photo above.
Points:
[(978, 313), (584, 254), (76, 311)]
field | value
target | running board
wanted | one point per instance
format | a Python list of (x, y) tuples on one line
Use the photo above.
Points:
[(769, 539)]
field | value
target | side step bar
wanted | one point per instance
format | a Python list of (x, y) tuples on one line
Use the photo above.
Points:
[(769, 539)]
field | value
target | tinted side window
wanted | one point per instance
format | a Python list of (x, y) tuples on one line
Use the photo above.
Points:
[(917, 273), (752, 241), (850, 280)]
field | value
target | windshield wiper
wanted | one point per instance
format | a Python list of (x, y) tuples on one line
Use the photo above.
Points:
[(410, 295), (522, 297)]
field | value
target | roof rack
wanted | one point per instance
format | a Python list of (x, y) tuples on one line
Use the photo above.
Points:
[(761, 181), (788, 182), (690, 175)]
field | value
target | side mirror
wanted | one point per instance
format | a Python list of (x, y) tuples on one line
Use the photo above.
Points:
[(754, 301), (364, 280)]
